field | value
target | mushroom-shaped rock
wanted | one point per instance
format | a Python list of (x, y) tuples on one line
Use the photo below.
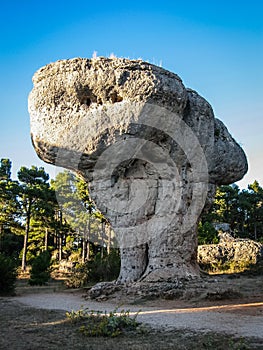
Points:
[(150, 149)]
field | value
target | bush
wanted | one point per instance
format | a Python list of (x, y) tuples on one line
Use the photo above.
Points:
[(11, 245), (96, 270), (79, 277), (104, 269), (7, 274), (40, 272), (99, 324), (207, 234)]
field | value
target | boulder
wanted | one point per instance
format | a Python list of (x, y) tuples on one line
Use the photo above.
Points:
[(150, 149), (230, 254)]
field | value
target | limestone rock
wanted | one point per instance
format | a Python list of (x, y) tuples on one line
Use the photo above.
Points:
[(225, 237), (151, 150), (236, 252), (102, 290)]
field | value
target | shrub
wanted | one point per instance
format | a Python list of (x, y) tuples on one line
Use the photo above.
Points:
[(96, 270), (79, 277), (104, 269), (40, 272), (207, 234), (97, 323), (7, 274)]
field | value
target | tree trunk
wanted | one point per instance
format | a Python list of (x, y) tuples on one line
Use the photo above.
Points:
[(60, 236), (84, 243), (87, 251), (109, 239), (60, 247), (88, 239), (102, 238), (28, 217), (46, 238)]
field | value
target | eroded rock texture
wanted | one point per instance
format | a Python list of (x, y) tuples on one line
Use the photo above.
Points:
[(150, 149), (230, 253)]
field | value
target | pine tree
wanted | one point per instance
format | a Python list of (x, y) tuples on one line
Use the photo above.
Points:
[(242, 210), (33, 191), (9, 210)]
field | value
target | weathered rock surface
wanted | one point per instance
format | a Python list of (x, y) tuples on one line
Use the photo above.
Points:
[(150, 149), (236, 252), (207, 288)]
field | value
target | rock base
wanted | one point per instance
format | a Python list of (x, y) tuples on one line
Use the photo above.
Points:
[(207, 288)]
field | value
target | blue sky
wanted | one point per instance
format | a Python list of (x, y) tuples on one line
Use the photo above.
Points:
[(216, 47)]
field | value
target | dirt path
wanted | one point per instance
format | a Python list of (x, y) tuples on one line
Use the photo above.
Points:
[(239, 318)]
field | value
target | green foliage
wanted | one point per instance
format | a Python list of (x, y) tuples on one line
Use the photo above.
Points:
[(40, 273), (36, 240), (104, 269), (33, 195), (66, 192), (96, 270), (242, 210), (226, 266), (99, 324), (7, 274), (5, 169), (9, 210), (217, 341), (207, 234), (77, 208), (11, 244), (79, 277), (29, 211)]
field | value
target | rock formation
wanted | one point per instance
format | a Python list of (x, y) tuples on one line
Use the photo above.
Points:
[(232, 253), (150, 149)]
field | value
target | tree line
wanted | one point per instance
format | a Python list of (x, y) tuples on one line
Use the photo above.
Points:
[(242, 210), (38, 214)]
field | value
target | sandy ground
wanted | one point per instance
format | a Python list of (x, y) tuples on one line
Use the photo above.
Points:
[(237, 318), (36, 318)]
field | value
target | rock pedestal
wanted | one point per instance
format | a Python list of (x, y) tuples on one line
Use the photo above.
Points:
[(150, 149)]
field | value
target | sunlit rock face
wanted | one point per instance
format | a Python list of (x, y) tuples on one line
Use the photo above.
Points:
[(150, 149), (229, 253)]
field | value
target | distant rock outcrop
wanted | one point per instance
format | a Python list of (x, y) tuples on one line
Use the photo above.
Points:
[(151, 150), (225, 237), (230, 253)]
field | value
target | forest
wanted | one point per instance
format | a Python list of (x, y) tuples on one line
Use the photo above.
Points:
[(55, 219)]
